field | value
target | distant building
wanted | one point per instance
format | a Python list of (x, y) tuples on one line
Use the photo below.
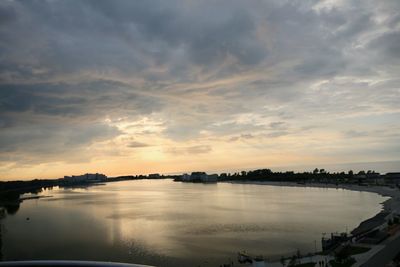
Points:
[(86, 178), (333, 242), (361, 178), (186, 177), (154, 176), (392, 177), (375, 178), (199, 177), (212, 178), (380, 180)]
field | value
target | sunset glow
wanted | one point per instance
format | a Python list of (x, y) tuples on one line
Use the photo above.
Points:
[(180, 86)]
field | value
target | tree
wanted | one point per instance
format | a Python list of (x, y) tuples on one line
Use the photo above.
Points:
[(342, 255), (315, 171), (283, 261), (298, 254), (293, 261)]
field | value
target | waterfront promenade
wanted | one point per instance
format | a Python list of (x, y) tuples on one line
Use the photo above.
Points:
[(385, 255)]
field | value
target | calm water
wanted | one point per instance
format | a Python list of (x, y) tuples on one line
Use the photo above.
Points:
[(164, 223)]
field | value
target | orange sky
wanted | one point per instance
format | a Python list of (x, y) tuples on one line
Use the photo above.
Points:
[(186, 85)]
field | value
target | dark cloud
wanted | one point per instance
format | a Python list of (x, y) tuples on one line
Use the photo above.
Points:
[(60, 118), (87, 99), (388, 45), (41, 99), (7, 14), (70, 70), (277, 125), (54, 138), (135, 144), (247, 136), (355, 134), (128, 36)]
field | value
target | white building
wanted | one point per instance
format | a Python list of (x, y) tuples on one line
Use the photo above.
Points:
[(201, 177), (186, 177), (88, 177), (198, 176), (212, 178)]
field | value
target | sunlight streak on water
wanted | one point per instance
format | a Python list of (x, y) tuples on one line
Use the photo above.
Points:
[(164, 223)]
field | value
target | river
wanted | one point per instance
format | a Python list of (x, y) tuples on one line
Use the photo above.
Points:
[(166, 223)]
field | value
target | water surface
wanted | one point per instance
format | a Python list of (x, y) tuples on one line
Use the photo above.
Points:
[(165, 223)]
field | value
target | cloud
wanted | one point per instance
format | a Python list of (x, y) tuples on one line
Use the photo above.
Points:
[(136, 144), (277, 134), (247, 136), (277, 125), (70, 100), (53, 142), (388, 46), (62, 118), (198, 149), (355, 134), (92, 74)]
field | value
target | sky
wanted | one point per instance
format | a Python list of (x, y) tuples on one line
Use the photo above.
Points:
[(136, 87)]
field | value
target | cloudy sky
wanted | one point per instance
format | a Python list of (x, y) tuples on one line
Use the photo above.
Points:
[(130, 87)]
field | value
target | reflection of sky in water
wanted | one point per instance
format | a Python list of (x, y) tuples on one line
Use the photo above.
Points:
[(176, 224)]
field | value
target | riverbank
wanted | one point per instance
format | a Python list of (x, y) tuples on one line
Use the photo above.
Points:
[(390, 206)]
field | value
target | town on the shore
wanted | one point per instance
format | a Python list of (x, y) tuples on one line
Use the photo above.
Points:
[(316, 176), (11, 190), (374, 242)]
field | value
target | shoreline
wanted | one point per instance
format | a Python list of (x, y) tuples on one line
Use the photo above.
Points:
[(390, 205)]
